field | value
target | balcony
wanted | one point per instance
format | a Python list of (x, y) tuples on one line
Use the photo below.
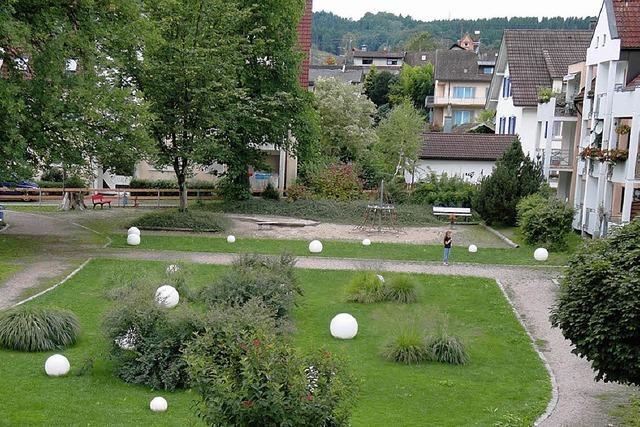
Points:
[(560, 159), (443, 101), (638, 168)]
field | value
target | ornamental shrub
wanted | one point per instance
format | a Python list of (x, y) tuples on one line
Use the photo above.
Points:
[(450, 191), (336, 182), (38, 329), (598, 308), (545, 221), (407, 347), (366, 287), (195, 220), (445, 348), (270, 192), (401, 288), (271, 280), (247, 375), (298, 191)]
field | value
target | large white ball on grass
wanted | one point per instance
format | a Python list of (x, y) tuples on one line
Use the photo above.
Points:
[(167, 296), (158, 404), (231, 239), (473, 249), (134, 230), (366, 242), (133, 239), (380, 277), (315, 247), (173, 269), (541, 254), (57, 365), (344, 326)]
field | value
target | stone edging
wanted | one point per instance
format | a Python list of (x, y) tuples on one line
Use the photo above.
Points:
[(553, 402), (500, 236), (69, 276)]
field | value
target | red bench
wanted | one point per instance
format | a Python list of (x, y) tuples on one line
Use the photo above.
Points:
[(98, 199)]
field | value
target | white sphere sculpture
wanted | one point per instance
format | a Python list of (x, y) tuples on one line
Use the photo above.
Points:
[(57, 365), (158, 404), (231, 239), (315, 247), (133, 239), (167, 296), (379, 276), (344, 326), (541, 254), (366, 242), (173, 269), (473, 249), (134, 230)]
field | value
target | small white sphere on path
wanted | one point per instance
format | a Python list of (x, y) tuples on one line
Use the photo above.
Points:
[(172, 269), (315, 247), (344, 326), (379, 276), (133, 239), (366, 242), (134, 230), (473, 249), (167, 296), (541, 254), (57, 365), (231, 239), (158, 404)]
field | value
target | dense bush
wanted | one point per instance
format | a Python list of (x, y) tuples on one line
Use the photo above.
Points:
[(515, 176), (169, 184), (366, 287), (545, 221), (598, 308), (336, 182), (269, 279), (246, 375), (396, 191), (196, 220), (450, 191), (71, 182), (156, 336), (323, 210), (445, 348), (298, 191), (407, 347), (401, 288), (38, 329), (270, 192)]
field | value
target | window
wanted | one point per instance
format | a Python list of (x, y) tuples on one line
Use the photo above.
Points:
[(546, 129), (424, 57), (392, 61), (506, 87), (604, 40), (487, 70), (367, 61), (512, 125), (461, 117), (557, 130), (502, 125), (464, 92)]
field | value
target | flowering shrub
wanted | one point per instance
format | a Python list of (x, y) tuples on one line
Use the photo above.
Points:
[(611, 156), (337, 182)]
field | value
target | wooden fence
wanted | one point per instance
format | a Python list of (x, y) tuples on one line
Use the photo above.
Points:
[(123, 197)]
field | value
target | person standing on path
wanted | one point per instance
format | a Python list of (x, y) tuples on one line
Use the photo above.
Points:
[(447, 247)]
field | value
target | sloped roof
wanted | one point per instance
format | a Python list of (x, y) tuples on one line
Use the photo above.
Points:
[(346, 75), (464, 146), (458, 65), (536, 57), (371, 54), (633, 84), (474, 128), (627, 14), (415, 58)]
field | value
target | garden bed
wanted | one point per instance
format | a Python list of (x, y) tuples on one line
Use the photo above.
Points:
[(504, 382)]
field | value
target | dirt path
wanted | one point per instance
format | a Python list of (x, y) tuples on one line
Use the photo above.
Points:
[(580, 400), (29, 277)]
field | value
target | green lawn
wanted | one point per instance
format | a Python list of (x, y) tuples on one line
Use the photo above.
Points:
[(340, 249), (7, 270), (504, 380), (34, 208), (13, 247)]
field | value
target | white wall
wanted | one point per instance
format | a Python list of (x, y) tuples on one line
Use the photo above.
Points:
[(479, 169), (602, 47), (378, 62)]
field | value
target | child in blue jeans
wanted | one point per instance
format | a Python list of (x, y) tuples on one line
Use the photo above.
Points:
[(447, 247)]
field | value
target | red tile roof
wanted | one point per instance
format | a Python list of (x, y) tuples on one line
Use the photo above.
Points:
[(627, 13), (304, 41), (465, 146), (633, 84)]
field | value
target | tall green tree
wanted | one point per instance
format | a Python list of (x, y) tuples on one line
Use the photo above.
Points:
[(515, 176), (399, 140), (420, 42), (377, 86), (346, 120), (413, 84), (64, 94)]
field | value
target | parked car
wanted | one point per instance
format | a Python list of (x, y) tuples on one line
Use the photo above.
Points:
[(9, 188)]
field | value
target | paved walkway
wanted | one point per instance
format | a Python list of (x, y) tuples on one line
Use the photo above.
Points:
[(532, 292)]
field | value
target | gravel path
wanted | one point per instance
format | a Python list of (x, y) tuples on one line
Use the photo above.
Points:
[(30, 276), (580, 400)]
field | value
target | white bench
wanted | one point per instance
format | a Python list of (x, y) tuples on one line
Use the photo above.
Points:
[(452, 213)]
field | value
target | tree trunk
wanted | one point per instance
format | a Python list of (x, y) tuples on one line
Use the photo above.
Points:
[(182, 188), (73, 201)]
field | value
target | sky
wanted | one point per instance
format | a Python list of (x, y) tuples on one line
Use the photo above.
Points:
[(426, 10)]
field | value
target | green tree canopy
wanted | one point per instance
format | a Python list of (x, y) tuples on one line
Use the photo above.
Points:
[(515, 176), (598, 308), (413, 84), (346, 120), (377, 86), (420, 42)]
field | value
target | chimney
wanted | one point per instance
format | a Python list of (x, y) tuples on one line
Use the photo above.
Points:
[(364, 48), (448, 124), (592, 23)]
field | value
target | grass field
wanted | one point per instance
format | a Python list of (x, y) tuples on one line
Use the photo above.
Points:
[(7, 270), (340, 249), (504, 382), (34, 208)]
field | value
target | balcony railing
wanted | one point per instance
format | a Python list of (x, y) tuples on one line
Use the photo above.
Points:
[(447, 100), (560, 159)]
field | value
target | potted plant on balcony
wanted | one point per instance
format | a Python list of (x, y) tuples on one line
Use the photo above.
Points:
[(614, 156), (591, 153), (591, 94), (544, 95), (623, 129)]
